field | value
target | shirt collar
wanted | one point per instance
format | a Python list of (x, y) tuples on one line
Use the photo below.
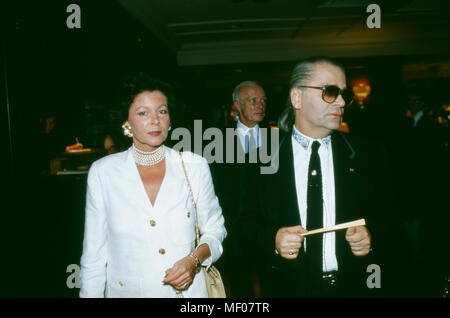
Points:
[(245, 129), (305, 141)]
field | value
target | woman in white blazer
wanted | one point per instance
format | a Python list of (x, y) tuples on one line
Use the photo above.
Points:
[(139, 238)]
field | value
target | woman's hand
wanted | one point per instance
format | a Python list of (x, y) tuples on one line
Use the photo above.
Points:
[(181, 275)]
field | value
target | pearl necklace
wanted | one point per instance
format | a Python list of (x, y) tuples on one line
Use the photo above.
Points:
[(151, 158)]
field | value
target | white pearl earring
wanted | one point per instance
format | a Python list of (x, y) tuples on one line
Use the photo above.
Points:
[(127, 130)]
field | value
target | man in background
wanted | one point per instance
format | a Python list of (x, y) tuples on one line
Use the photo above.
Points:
[(231, 182)]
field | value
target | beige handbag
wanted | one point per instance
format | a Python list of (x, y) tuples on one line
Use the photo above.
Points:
[(214, 283)]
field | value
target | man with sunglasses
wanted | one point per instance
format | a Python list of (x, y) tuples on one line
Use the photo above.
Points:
[(321, 181)]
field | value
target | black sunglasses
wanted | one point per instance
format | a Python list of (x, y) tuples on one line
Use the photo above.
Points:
[(331, 92)]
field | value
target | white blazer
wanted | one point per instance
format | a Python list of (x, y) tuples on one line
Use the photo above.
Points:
[(129, 244)]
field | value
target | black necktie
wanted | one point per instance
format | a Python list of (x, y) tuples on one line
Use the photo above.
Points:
[(314, 211)]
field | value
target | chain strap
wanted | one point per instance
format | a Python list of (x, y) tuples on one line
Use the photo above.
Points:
[(213, 274), (197, 234)]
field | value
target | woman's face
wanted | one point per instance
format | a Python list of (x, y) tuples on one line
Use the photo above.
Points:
[(149, 119)]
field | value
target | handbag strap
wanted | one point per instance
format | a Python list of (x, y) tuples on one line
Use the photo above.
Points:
[(197, 234)]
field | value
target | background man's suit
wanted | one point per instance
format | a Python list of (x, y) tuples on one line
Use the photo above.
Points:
[(231, 182)]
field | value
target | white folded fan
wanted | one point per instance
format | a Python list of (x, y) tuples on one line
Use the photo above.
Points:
[(336, 227)]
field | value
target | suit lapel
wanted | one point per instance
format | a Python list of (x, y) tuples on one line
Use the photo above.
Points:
[(283, 183), (345, 191), (343, 157)]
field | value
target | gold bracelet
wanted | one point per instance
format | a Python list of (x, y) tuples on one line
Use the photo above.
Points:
[(197, 261)]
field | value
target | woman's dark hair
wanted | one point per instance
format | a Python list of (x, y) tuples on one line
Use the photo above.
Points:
[(141, 82), (302, 72)]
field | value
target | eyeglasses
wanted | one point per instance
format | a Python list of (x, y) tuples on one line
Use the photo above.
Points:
[(331, 92)]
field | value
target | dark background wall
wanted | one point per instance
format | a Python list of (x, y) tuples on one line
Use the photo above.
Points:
[(73, 74)]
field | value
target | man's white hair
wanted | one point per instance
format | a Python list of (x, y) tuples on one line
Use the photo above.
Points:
[(237, 90)]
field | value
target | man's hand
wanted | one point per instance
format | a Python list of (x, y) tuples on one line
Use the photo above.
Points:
[(359, 239), (288, 241)]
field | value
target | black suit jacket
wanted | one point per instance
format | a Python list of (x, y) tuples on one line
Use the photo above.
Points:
[(358, 177), (231, 181)]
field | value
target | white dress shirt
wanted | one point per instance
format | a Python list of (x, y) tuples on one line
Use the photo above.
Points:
[(130, 243), (301, 146), (254, 132)]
